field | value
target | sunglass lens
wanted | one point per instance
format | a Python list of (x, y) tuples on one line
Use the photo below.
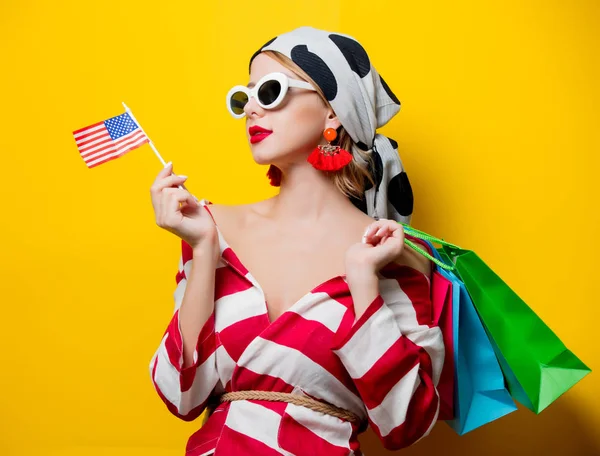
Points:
[(238, 101), (268, 92)]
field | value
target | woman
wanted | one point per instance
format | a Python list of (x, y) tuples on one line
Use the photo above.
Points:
[(359, 348)]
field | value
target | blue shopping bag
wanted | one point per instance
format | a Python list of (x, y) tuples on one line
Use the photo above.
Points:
[(480, 393)]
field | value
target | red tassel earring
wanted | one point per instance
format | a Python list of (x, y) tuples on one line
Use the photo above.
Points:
[(328, 157)]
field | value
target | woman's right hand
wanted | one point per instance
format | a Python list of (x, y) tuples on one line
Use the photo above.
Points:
[(177, 211)]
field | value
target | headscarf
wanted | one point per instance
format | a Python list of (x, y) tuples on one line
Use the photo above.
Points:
[(363, 102)]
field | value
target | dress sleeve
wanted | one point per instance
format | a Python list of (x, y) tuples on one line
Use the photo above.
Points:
[(395, 355), (185, 391)]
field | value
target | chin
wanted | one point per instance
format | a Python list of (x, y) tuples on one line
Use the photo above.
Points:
[(263, 157)]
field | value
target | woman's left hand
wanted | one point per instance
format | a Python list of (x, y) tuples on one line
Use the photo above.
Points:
[(382, 243)]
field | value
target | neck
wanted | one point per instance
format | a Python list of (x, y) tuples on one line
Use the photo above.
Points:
[(307, 195)]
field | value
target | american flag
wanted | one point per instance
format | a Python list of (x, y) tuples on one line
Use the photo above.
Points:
[(109, 139)]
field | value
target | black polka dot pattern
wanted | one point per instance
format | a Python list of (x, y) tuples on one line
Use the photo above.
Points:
[(317, 69), (376, 168), (355, 54), (389, 91), (359, 203), (362, 146), (400, 194)]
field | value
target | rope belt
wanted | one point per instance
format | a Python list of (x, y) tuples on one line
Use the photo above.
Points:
[(304, 401)]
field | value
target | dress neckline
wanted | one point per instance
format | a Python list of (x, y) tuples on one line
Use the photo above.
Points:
[(224, 245)]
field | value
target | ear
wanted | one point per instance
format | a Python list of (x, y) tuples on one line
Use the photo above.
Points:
[(332, 120)]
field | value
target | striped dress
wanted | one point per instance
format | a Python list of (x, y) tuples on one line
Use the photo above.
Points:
[(385, 367)]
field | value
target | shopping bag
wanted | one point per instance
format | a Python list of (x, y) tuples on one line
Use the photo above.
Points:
[(536, 364), (441, 299), (480, 394)]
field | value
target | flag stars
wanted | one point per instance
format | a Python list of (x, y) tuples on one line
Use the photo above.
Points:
[(120, 125)]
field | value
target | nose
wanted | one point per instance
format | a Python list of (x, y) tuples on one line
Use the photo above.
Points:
[(252, 107)]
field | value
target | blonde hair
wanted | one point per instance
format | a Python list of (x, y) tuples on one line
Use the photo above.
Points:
[(350, 180)]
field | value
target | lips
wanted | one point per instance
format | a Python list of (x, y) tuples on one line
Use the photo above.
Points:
[(258, 137), (257, 133)]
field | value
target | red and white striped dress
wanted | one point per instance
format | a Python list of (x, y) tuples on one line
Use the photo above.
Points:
[(384, 367)]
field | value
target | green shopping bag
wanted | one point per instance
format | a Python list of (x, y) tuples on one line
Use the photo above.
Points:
[(537, 366)]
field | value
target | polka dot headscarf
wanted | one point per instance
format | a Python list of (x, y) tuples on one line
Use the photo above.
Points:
[(363, 102)]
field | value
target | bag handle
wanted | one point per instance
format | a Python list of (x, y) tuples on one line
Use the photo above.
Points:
[(427, 237)]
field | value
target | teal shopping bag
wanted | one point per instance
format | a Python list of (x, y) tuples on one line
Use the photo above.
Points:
[(480, 393), (536, 365)]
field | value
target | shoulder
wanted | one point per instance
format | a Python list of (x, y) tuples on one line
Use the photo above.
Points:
[(356, 221), (234, 216)]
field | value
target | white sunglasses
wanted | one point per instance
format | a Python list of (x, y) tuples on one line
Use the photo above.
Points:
[(269, 92)]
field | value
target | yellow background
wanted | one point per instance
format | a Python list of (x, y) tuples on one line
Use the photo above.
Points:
[(498, 131)]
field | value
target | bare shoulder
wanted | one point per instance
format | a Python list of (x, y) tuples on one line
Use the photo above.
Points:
[(231, 217), (357, 223), (223, 212)]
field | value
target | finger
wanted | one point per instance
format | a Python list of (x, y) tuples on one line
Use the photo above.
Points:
[(197, 200), (390, 224), (394, 235), (370, 230), (191, 201), (381, 238), (188, 205), (384, 230), (398, 232), (373, 240), (389, 228), (377, 231), (173, 181), (171, 199), (168, 169), (396, 241)]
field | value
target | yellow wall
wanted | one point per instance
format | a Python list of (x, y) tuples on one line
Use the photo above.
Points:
[(498, 130)]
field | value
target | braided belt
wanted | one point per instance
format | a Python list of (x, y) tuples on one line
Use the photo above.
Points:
[(304, 401)]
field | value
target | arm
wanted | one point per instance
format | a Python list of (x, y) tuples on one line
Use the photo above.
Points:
[(393, 354), (183, 367)]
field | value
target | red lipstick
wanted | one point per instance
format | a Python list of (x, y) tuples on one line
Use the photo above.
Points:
[(258, 133)]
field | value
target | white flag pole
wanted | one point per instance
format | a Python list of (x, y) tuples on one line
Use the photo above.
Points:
[(151, 143)]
